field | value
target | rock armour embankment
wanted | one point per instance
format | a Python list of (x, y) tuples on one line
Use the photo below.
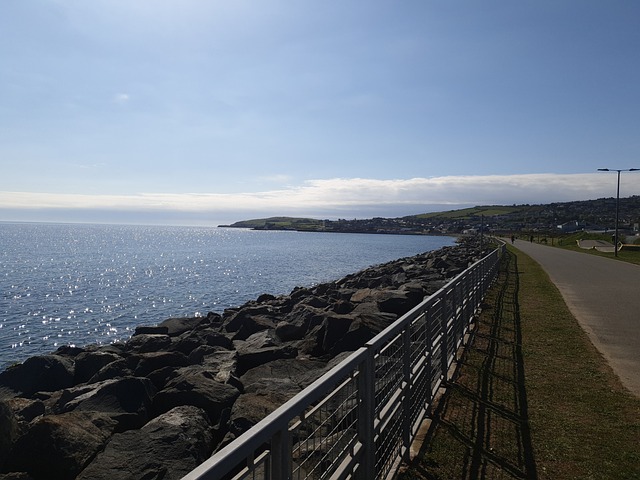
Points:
[(159, 405)]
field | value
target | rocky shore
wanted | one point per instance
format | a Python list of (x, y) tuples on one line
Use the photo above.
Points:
[(161, 403)]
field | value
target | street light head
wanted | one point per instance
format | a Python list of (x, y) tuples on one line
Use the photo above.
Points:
[(618, 170)]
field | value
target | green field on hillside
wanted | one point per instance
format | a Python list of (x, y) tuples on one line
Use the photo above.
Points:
[(487, 211)]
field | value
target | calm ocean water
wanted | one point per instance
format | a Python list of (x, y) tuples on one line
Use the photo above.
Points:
[(82, 284)]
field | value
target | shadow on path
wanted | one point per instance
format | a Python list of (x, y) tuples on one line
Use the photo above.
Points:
[(480, 427)]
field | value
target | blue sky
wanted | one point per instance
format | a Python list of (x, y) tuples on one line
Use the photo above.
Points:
[(206, 111)]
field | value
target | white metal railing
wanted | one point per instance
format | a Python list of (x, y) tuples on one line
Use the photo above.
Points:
[(359, 419)]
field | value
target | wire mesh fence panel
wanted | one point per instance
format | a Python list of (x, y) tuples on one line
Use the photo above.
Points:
[(389, 375), (419, 332), (326, 433), (421, 358), (388, 372), (389, 442)]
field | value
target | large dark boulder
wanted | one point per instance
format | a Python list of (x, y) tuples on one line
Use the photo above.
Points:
[(126, 400), (149, 362), (257, 341), (8, 430), (265, 298), (69, 351), (336, 326), (223, 362), (150, 330), (58, 447), (250, 408), (287, 331), (90, 363), (146, 343), (363, 295), (254, 324), (25, 409), (312, 343), (235, 320), (315, 301), (178, 326), (197, 386), (299, 293), (167, 448), (250, 355), (46, 373), (360, 331), (305, 316), (342, 306), (397, 302), (187, 342), (415, 292), (118, 369), (288, 376)]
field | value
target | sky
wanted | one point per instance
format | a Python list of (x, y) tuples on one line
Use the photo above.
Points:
[(201, 112)]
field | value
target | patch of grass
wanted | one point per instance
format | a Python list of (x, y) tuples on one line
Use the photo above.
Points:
[(532, 398), (583, 422), (569, 242), (466, 213), (624, 255)]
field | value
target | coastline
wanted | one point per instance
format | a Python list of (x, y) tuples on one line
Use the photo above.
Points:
[(227, 370)]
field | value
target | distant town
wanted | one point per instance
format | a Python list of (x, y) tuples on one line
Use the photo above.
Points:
[(551, 219)]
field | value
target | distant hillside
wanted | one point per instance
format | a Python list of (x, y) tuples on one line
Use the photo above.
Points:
[(599, 212), (588, 214), (487, 211), (279, 223)]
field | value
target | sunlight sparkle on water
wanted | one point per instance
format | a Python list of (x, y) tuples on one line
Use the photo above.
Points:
[(108, 279)]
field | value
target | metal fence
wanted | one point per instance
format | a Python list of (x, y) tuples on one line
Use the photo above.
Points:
[(359, 419)]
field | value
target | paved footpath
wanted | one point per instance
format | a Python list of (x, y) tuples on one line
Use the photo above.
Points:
[(604, 296)]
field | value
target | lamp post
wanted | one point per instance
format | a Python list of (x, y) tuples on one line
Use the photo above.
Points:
[(615, 238)]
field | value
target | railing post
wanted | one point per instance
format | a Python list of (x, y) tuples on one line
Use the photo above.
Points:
[(408, 388), (429, 353), (281, 455), (444, 321), (473, 293), (466, 305), (457, 318), (366, 416)]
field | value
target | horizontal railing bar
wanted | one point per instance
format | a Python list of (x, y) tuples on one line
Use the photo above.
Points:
[(348, 464), (384, 409)]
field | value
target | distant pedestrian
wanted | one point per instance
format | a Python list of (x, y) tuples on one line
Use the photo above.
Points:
[(531, 239), (513, 239)]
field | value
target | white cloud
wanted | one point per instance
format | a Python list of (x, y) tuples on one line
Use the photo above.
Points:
[(350, 196), (121, 98)]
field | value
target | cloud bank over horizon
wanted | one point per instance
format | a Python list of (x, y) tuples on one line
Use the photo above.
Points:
[(197, 112), (326, 198)]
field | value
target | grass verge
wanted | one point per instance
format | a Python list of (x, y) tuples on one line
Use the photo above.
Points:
[(569, 242), (630, 256), (532, 397)]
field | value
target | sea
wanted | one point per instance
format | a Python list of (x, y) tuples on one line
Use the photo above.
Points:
[(80, 284)]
